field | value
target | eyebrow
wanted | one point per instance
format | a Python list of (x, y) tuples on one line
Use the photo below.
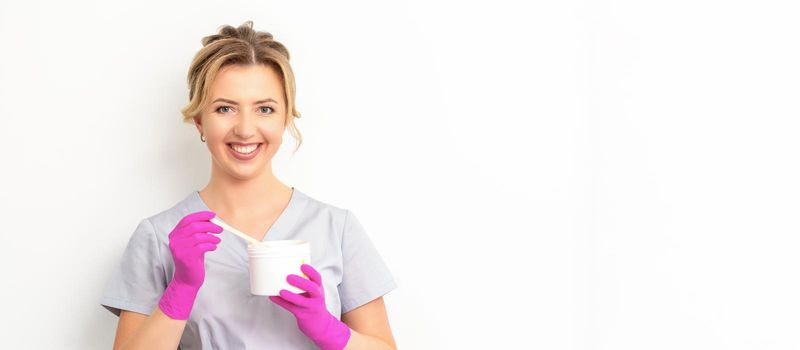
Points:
[(237, 103)]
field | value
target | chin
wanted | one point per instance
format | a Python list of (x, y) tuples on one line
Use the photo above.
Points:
[(246, 174)]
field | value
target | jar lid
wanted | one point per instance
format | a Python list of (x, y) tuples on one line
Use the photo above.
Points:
[(278, 248)]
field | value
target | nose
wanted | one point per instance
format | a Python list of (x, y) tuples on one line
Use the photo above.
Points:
[(245, 126)]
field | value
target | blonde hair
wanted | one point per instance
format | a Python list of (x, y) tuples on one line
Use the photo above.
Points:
[(243, 46)]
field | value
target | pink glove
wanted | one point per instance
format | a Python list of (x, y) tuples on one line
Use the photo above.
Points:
[(188, 243), (313, 318)]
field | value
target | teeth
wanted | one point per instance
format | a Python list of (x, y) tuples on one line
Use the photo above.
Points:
[(244, 150)]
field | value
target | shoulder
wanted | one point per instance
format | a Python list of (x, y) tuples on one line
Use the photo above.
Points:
[(314, 208), (316, 205), (165, 220)]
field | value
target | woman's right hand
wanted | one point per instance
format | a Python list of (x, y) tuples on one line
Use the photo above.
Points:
[(188, 242)]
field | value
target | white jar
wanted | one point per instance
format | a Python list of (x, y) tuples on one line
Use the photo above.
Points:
[(272, 261)]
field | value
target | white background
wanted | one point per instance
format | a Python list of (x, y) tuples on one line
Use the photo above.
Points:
[(554, 175)]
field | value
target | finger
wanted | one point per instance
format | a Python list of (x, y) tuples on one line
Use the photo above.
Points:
[(312, 274), (199, 215), (206, 247), (189, 231), (293, 298), (203, 226), (201, 237), (304, 284), (195, 226), (283, 303)]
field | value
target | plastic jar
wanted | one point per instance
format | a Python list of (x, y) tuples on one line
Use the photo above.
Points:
[(271, 262)]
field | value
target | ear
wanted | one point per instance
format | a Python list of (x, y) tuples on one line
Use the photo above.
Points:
[(198, 123)]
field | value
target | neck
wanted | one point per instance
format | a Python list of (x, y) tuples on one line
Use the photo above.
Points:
[(243, 198)]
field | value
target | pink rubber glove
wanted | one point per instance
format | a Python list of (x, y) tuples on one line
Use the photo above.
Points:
[(308, 308), (188, 243)]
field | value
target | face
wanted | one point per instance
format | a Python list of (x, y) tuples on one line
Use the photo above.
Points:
[(246, 112)]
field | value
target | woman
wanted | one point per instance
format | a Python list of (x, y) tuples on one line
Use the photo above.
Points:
[(184, 281)]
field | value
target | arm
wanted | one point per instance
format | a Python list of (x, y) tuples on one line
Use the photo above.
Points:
[(325, 330), (369, 326), (157, 331), (188, 243)]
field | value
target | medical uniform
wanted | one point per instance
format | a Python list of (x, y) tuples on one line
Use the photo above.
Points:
[(225, 315)]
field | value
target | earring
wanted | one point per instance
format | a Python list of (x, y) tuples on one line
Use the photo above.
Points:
[(201, 138)]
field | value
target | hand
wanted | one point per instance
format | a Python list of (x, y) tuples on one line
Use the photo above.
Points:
[(188, 243), (313, 318)]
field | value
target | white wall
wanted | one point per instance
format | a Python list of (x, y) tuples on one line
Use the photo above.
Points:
[(564, 175)]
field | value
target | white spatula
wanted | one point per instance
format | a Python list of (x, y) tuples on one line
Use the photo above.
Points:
[(243, 235)]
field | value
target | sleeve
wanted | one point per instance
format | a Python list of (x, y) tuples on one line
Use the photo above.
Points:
[(140, 279), (365, 276)]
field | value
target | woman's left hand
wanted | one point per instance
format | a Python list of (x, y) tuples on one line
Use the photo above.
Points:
[(309, 309)]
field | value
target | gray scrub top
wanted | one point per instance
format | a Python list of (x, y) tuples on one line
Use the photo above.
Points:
[(225, 315)]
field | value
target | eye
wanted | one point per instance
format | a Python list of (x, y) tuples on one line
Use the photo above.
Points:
[(221, 107), (263, 109)]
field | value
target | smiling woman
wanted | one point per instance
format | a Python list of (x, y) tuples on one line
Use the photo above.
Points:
[(243, 47), (242, 128), (184, 280)]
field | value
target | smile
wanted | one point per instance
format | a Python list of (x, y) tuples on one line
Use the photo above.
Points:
[(244, 152)]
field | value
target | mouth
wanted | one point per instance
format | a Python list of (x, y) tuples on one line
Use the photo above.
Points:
[(244, 152)]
